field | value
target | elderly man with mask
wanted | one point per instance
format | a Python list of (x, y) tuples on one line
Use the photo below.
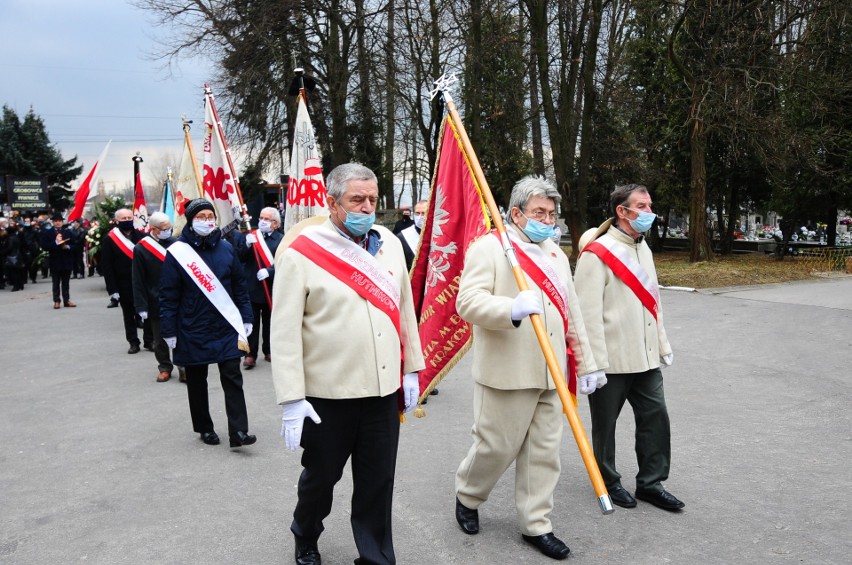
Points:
[(517, 411), (117, 267), (205, 317), (620, 298), (148, 258), (343, 335), (258, 257)]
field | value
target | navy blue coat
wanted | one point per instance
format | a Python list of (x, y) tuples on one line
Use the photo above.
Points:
[(247, 256), (203, 334), (61, 258)]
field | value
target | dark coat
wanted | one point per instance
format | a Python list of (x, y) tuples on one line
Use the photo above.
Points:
[(247, 256), (147, 269), (203, 334), (61, 257), (116, 266)]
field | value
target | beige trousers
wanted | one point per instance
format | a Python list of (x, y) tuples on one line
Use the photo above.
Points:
[(524, 426)]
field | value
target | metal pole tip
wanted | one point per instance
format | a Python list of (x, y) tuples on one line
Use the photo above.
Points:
[(606, 504)]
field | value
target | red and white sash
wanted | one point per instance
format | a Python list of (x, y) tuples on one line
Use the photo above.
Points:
[(538, 267), (154, 247), (265, 256), (121, 241), (353, 266), (210, 286), (628, 270)]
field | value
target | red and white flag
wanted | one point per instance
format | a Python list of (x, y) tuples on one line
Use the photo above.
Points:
[(306, 193), (85, 192), (455, 218), (140, 210), (220, 183)]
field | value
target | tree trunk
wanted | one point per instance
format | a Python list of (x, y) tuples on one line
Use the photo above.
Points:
[(700, 246), (390, 107), (581, 190), (535, 119)]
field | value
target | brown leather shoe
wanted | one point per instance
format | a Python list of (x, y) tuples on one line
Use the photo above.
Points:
[(163, 376), (70, 304), (267, 357), (249, 363), (56, 305)]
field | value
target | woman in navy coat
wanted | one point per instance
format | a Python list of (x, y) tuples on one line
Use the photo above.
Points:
[(199, 334)]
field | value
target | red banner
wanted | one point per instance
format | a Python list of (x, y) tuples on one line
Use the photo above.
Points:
[(455, 218)]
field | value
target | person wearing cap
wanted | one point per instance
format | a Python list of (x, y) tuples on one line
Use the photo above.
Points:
[(56, 239), (205, 318), (258, 257), (148, 257), (405, 221), (516, 409), (116, 265), (619, 295), (343, 333)]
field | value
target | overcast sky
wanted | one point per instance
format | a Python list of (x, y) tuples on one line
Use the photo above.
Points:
[(85, 67)]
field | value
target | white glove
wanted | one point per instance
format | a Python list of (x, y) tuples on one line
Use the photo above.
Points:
[(410, 390), (587, 384), (250, 238), (526, 303), (248, 328), (143, 314), (667, 360), (262, 274), (171, 342), (114, 296), (293, 419)]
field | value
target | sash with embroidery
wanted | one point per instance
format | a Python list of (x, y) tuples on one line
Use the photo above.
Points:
[(538, 267), (210, 286), (352, 266), (265, 256), (122, 242), (154, 247), (412, 238), (628, 270)]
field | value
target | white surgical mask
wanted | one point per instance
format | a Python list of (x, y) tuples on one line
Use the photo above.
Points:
[(203, 227), (265, 226), (165, 234), (418, 221)]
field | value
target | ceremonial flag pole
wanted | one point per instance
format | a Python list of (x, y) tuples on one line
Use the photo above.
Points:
[(167, 202), (235, 183), (188, 182), (85, 192), (140, 210), (556, 374)]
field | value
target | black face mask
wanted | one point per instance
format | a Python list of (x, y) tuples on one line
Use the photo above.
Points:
[(125, 225)]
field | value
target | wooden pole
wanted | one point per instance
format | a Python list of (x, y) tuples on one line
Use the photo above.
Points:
[(192, 156), (541, 333)]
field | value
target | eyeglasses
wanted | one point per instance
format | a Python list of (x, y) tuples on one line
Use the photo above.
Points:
[(542, 215)]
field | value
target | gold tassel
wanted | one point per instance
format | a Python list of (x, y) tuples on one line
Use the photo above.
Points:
[(419, 412), (401, 417)]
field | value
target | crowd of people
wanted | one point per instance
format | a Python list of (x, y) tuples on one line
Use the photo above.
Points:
[(345, 352)]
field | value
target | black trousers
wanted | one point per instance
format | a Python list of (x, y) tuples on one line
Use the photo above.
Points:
[(161, 350), (644, 392), (128, 312), (261, 314), (79, 264), (367, 430), (232, 386), (61, 279)]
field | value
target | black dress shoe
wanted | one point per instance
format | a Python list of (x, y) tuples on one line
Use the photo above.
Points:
[(468, 519), (210, 438), (661, 499), (148, 347), (134, 348), (307, 552), (549, 545), (620, 497), (242, 438)]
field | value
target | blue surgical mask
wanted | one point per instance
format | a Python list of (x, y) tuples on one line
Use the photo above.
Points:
[(265, 226), (643, 221), (165, 234), (358, 224), (538, 231), (419, 221)]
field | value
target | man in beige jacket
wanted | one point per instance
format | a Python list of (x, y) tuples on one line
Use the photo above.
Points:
[(343, 332), (624, 321), (517, 411)]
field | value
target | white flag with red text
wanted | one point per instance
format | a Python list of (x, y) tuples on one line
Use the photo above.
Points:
[(306, 191), (220, 183)]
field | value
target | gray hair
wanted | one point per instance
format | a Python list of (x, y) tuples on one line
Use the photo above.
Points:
[(276, 215), (338, 179), (621, 195), (115, 215), (528, 187), (157, 218)]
